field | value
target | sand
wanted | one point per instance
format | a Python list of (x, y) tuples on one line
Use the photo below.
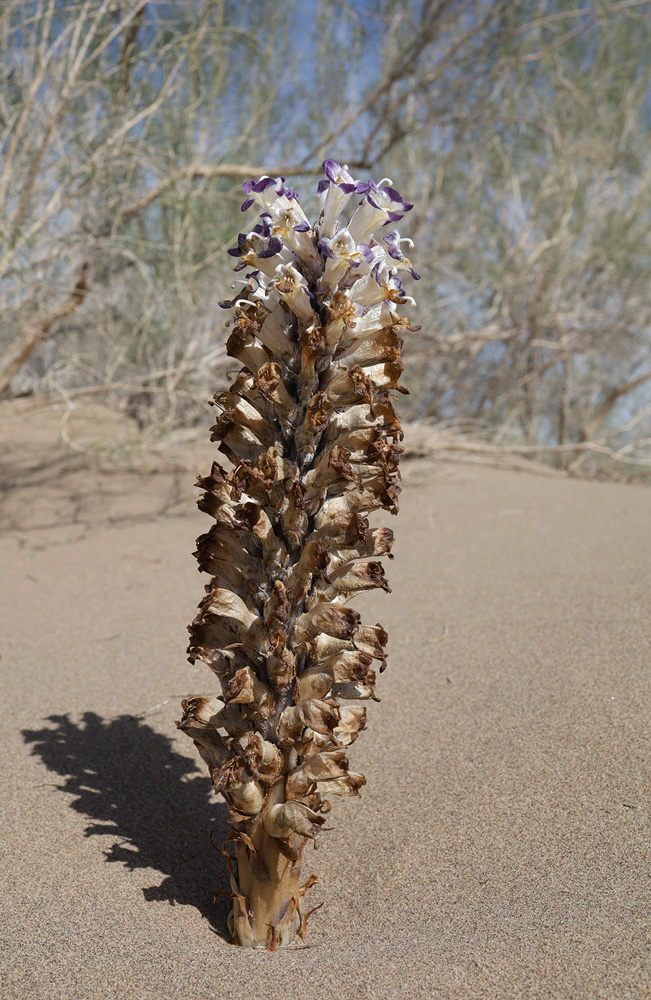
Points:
[(501, 846)]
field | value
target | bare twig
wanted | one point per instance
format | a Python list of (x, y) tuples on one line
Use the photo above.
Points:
[(205, 170), (39, 328)]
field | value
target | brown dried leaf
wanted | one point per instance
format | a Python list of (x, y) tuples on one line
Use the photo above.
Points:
[(333, 619), (285, 818), (349, 784), (245, 688)]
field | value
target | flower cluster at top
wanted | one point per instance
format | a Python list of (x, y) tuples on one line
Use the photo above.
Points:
[(349, 272)]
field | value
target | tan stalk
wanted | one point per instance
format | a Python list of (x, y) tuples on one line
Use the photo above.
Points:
[(312, 438)]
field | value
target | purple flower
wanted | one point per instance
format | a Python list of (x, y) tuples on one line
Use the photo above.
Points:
[(240, 248), (393, 242), (263, 184), (266, 191), (380, 206), (341, 253), (273, 247), (282, 216), (256, 248), (382, 283), (288, 222), (340, 176), (290, 286), (263, 228), (389, 199), (325, 246), (336, 192)]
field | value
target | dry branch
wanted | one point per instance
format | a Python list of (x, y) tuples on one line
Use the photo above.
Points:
[(207, 171), (38, 328)]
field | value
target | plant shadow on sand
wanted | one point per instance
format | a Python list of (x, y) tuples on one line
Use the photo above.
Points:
[(149, 798)]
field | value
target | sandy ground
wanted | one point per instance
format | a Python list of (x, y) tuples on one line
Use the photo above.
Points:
[(501, 847)]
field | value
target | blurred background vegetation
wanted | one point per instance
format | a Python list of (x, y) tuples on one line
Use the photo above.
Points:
[(520, 130)]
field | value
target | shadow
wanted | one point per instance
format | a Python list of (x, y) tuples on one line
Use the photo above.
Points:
[(39, 493), (153, 803)]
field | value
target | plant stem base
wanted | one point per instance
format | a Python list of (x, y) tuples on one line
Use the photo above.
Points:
[(266, 893)]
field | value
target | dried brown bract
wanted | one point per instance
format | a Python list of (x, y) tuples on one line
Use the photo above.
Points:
[(312, 437)]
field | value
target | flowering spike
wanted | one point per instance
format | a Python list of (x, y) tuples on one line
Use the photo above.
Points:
[(310, 431)]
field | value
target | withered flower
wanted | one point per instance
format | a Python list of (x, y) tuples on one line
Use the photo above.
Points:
[(309, 429)]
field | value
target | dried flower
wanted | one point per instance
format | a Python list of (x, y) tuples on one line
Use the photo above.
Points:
[(309, 428)]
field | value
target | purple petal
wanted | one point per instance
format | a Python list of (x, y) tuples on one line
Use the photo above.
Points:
[(367, 253), (261, 184), (241, 246), (325, 246), (247, 204), (341, 176), (265, 182), (393, 194), (331, 168), (274, 246), (302, 227), (322, 186)]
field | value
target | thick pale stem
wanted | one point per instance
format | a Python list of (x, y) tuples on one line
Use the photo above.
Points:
[(266, 893)]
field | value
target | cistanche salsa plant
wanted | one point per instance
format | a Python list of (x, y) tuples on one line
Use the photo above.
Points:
[(309, 429)]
